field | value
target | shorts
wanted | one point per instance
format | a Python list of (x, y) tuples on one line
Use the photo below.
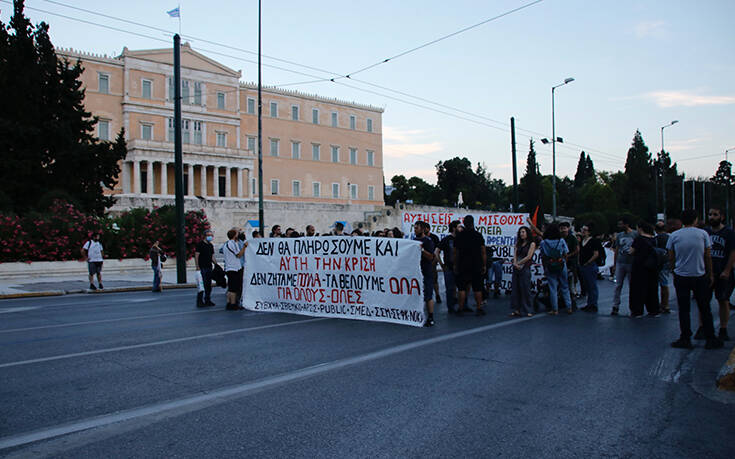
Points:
[(234, 281), (94, 267), (475, 278), (664, 277), (429, 285), (723, 288)]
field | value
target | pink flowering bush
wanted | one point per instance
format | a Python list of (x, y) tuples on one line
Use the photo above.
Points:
[(60, 233)]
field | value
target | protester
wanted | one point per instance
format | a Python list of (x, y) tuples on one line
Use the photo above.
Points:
[(233, 269), (157, 258), (723, 257), (421, 230), (93, 252), (242, 244), (435, 240), (471, 259), (397, 233), (256, 234), (310, 231), (690, 256), (589, 252), (446, 248), (572, 258), (553, 253), (520, 297), (664, 275), (623, 261), (644, 273), (339, 229), (203, 260), (495, 269)]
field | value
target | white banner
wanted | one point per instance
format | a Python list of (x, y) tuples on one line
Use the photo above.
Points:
[(362, 278), (499, 229)]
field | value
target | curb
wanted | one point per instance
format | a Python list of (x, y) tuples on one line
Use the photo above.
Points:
[(726, 376), (9, 296)]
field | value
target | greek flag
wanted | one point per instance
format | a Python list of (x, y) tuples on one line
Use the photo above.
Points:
[(174, 13)]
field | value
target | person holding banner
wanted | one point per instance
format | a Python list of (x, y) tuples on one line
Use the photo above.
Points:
[(421, 229), (520, 298), (553, 252), (471, 264), (233, 252), (446, 246)]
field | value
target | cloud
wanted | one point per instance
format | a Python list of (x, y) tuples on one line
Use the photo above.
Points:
[(667, 99), (683, 145), (645, 29), (400, 143)]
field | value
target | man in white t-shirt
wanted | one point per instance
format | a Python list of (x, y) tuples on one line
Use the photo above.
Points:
[(92, 252), (233, 252)]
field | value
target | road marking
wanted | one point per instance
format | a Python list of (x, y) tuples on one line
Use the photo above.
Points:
[(101, 321), (23, 308), (217, 396), (156, 343)]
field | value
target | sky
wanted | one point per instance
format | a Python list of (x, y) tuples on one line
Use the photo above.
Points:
[(636, 65)]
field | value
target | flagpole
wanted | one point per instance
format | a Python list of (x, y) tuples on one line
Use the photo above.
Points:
[(179, 7)]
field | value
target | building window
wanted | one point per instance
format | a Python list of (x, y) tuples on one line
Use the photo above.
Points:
[(185, 137), (353, 191), (296, 188), (104, 83), (274, 186), (253, 186), (371, 193), (274, 147), (144, 180), (171, 131), (251, 144), (186, 183), (353, 121), (197, 93), (369, 125), (146, 131), (103, 130), (353, 155), (334, 119), (197, 132), (295, 150), (222, 183), (274, 109), (171, 88), (185, 91), (315, 151), (335, 154), (221, 139), (251, 106), (370, 158), (147, 89), (316, 189), (315, 115), (295, 112), (221, 100), (335, 190)]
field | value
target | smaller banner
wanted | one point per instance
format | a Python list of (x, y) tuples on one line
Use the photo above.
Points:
[(363, 278)]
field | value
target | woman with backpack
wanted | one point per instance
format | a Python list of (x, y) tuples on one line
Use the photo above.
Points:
[(520, 297), (644, 273), (553, 251)]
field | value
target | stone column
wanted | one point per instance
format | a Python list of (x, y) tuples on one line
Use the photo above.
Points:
[(203, 179), (136, 177), (149, 177), (125, 176), (239, 181), (190, 168), (228, 182), (164, 178)]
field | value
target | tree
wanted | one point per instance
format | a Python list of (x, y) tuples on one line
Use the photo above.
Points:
[(724, 178), (639, 197), (454, 176), (530, 186), (46, 135), (585, 170)]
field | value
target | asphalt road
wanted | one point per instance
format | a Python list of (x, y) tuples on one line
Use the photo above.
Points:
[(148, 375)]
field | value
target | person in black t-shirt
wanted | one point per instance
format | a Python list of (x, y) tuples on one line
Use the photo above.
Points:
[(723, 258), (471, 260), (590, 250), (435, 239), (446, 247), (421, 230), (644, 273), (203, 259)]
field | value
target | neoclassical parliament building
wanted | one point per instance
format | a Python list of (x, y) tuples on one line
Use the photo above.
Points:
[(315, 149)]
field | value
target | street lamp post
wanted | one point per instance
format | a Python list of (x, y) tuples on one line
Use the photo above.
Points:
[(661, 163), (553, 146)]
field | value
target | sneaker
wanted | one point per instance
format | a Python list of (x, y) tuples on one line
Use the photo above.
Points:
[(682, 343), (209, 303), (101, 286), (591, 308), (615, 311), (666, 310), (429, 322), (723, 335), (92, 287), (480, 312), (713, 343), (699, 334), (653, 315), (232, 307)]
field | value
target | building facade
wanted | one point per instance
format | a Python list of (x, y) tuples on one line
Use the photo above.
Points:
[(315, 149)]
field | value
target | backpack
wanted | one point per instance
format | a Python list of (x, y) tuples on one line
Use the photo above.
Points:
[(554, 259)]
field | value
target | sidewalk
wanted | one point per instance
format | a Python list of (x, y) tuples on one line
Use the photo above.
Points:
[(114, 281)]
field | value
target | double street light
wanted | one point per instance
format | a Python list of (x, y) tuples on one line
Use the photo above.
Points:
[(663, 165), (554, 139)]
